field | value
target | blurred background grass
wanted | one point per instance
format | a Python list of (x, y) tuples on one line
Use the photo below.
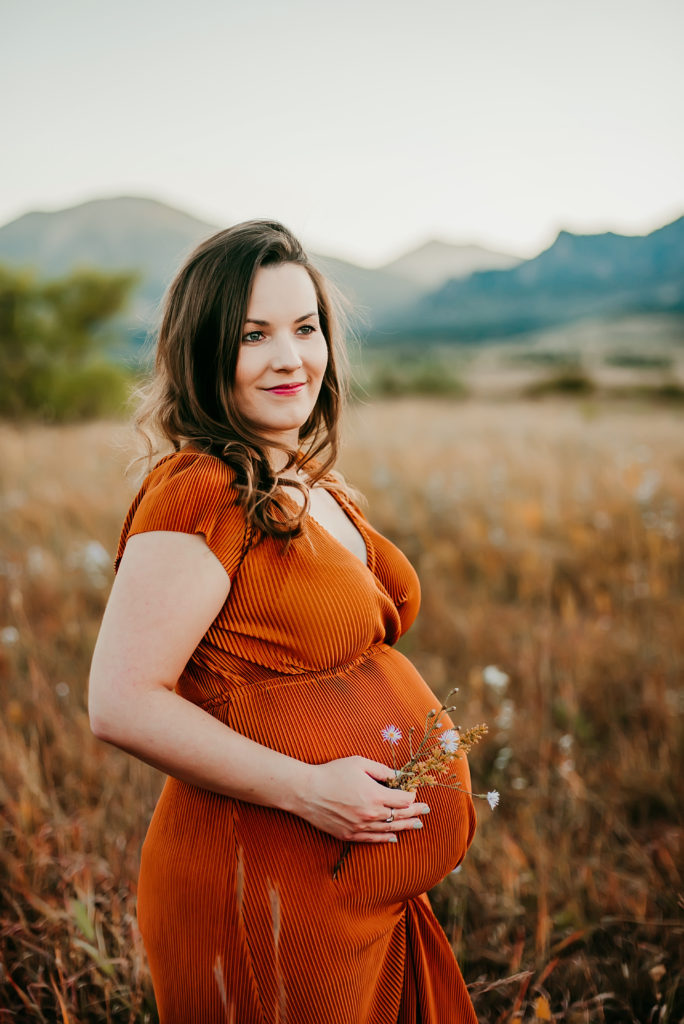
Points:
[(548, 539)]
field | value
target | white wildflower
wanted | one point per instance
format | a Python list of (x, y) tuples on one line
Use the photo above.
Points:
[(449, 741), (648, 486), (9, 635), (391, 734), (494, 677), (502, 758), (93, 560), (493, 798), (504, 720)]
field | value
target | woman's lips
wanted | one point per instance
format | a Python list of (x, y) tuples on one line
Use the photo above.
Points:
[(286, 389)]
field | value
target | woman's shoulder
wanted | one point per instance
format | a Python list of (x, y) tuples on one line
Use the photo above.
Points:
[(190, 467), (189, 491), (186, 485)]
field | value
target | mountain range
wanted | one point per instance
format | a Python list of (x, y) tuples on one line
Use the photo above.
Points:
[(438, 291), (598, 276)]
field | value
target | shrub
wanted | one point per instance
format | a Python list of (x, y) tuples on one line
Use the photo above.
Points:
[(638, 361), (572, 380), (409, 376), (51, 336)]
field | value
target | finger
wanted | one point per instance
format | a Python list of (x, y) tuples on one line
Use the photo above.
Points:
[(401, 818), (373, 837), (398, 825), (380, 773), (399, 813), (397, 799), (376, 769)]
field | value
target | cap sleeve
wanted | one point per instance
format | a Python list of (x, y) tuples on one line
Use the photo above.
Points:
[(190, 492)]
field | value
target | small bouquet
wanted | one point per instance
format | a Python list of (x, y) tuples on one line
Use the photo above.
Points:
[(432, 762)]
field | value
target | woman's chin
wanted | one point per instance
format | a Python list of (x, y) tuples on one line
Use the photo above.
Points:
[(282, 429)]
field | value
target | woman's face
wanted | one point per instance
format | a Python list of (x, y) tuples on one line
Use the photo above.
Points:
[(283, 353)]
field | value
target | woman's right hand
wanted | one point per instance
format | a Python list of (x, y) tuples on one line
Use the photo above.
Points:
[(345, 798)]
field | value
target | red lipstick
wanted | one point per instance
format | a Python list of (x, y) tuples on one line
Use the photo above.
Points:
[(286, 389)]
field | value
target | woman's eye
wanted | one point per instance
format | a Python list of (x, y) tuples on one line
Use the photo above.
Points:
[(255, 336)]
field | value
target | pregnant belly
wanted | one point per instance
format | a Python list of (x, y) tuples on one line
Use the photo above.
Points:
[(338, 714)]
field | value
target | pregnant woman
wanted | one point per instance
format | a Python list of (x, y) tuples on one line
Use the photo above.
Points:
[(247, 650)]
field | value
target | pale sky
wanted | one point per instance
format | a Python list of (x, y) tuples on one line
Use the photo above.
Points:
[(366, 126)]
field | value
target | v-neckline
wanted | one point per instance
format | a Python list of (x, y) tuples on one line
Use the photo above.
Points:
[(348, 510)]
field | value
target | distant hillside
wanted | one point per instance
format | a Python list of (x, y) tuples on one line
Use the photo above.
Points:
[(371, 293), (603, 275), (579, 276), (135, 232), (111, 234), (436, 262)]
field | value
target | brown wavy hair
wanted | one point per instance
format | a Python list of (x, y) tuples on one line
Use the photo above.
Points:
[(189, 399)]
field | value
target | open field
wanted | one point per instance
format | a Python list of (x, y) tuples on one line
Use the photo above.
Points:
[(628, 357), (548, 537)]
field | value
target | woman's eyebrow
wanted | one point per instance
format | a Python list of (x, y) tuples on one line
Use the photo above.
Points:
[(265, 323)]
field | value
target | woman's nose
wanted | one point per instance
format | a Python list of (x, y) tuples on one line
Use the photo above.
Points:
[(285, 355)]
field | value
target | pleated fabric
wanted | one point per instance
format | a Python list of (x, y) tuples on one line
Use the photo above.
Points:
[(239, 914)]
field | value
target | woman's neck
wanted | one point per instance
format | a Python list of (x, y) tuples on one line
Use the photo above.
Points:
[(278, 460)]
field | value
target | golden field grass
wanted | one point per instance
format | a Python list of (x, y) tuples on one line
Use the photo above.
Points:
[(548, 537)]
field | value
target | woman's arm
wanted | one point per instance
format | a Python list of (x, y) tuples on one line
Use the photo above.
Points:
[(168, 590)]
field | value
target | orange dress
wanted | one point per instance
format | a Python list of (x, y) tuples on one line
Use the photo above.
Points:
[(239, 914)]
